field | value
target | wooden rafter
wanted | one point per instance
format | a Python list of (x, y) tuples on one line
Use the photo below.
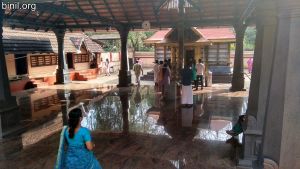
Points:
[(248, 11), (11, 13), (73, 13), (195, 5), (80, 9), (109, 10), (139, 9), (161, 2), (155, 14), (124, 10)]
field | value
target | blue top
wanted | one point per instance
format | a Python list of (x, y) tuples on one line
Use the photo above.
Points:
[(82, 136), (186, 76)]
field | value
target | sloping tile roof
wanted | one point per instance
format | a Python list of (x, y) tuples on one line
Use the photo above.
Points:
[(210, 34), (158, 36), (77, 42), (216, 33), (92, 46), (18, 41), (21, 45)]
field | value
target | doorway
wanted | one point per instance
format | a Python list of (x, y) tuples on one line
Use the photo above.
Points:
[(70, 61), (21, 64), (190, 55)]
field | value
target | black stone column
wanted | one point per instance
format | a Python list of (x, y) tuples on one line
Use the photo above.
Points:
[(62, 74), (9, 112), (124, 73), (238, 69)]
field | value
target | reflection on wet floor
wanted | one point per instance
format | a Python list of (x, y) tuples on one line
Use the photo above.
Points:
[(210, 116), (132, 128)]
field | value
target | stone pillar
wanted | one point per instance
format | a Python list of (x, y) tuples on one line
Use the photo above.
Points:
[(9, 112), (62, 74), (266, 26), (281, 128), (125, 110), (180, 29), (124, 73), (238, 69), (165, 53)]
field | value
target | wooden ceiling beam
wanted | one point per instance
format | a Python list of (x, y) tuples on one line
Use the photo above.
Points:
[(248, 11), (80, 9), (161, 2), (195, 5), (73, 13), (109, 10), (155, 14), (139, 9), (124, 10)]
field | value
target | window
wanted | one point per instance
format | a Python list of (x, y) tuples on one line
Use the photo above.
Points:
[(81, 58), (43, 60), (218, 54)]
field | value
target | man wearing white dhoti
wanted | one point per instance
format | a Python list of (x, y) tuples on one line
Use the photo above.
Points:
[(156, 71), (187, 91)]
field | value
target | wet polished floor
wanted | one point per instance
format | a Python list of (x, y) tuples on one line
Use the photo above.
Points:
[(132, 128)]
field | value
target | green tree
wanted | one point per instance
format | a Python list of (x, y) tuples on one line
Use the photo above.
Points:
[(136, 40), (250, 36)]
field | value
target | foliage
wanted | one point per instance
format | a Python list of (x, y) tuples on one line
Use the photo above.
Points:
[(249, 40), (250, 36), (136, 40), (111, 45)]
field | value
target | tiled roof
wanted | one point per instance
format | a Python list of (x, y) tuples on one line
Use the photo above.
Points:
[(158, 36), (216, 33), (77, 42), (92, 46), (18, 41), (206, 33)]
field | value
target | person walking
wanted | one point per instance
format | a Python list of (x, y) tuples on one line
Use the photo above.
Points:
[(166, 73), (194, 76), (186, 82), (200, 74), (107, 66), (78, 143), (138, 71), (250, 65), (156, 71)]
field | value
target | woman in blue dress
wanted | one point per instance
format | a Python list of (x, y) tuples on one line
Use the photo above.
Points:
[(75, 149)]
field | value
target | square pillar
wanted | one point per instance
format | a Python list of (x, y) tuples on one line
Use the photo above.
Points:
[(9, 111), (62, 73), (281, 127), (124, 73), (238, 69)]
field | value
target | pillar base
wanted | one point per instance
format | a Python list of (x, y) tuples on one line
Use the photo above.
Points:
[(172, 91), (62, 76), (124, 78), (238, 82), (9, 118)]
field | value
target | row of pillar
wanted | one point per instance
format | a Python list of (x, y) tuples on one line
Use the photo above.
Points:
[(272, 137)]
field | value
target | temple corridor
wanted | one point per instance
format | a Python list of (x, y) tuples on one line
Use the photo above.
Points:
[(132, 127)]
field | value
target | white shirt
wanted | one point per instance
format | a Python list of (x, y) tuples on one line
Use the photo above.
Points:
[(200, 68)]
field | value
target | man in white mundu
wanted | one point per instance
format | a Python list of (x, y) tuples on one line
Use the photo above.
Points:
[(187, 91), (200, 74)]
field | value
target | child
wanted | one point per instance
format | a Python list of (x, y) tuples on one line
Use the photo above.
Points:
[(238, 127)]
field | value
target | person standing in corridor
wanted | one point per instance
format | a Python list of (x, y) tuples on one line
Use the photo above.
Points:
[(138, 71)]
